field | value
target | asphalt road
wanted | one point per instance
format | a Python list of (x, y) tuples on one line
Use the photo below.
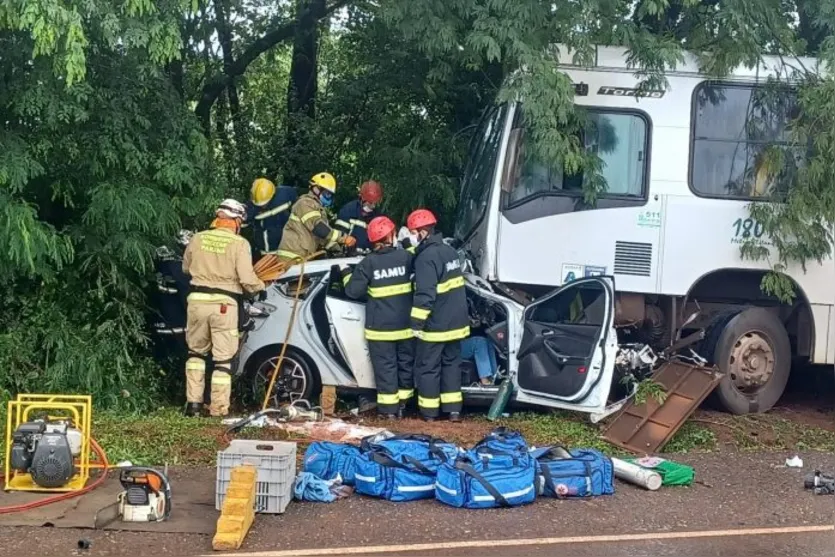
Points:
[(737, 493)]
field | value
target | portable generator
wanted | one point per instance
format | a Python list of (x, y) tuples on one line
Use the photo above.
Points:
[(45, 450), (48, 443)]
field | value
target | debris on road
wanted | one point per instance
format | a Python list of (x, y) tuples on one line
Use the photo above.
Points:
[(634, 474), (820, 484), (645, 427), (672, 473), (794, 462)]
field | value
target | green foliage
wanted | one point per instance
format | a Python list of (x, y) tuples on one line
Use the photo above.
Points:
[(649, 389), (99, 164), (120, 123)]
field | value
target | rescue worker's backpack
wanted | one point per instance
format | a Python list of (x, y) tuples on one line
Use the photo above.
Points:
[(497, 472), (327, 460), (573, 473), (401, 468)]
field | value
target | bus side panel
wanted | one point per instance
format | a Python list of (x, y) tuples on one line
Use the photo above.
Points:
[(555, 249), (704, 235)]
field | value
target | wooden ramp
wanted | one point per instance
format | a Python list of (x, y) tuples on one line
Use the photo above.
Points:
[(238, 511)]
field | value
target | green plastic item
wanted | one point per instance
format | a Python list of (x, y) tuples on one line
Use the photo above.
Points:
[(672, 473), (501, 400)]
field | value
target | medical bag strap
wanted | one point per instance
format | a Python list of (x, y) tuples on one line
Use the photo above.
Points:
[(470, 471), (418, 465), (499, 434)]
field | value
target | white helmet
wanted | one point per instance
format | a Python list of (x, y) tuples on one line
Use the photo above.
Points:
[(231, 209)]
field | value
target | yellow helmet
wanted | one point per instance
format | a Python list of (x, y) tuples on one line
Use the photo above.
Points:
[(325, 181), (262, 191)]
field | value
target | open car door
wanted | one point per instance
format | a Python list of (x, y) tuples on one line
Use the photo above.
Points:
[(347, 322), (566, 355)]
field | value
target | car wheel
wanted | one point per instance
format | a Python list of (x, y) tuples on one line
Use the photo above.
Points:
[(297, 379), (752, 349)]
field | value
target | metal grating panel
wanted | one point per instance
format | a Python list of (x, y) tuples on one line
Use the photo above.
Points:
[(646, 428), (633, 258)]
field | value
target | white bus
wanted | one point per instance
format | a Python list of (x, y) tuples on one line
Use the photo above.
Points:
[(681, 168)]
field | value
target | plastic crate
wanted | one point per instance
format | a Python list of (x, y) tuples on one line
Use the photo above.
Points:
[(276, 463)]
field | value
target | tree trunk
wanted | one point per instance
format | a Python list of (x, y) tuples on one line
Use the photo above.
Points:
[(224, 33), (301, 92)]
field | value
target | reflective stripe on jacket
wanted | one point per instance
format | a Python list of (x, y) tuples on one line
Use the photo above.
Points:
[(439, 310), (384, 277), (352, 222), (268, 222), (308, 230), (221, 260)]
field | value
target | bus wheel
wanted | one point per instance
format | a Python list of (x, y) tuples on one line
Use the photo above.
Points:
[(752, 348)]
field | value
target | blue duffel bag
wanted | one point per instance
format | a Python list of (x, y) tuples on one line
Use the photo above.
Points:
[(503, 439), (401, 468), (497, 472), (573, 473), (327, 460)]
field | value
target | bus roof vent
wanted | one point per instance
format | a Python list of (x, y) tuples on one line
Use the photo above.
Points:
[(633, 258)]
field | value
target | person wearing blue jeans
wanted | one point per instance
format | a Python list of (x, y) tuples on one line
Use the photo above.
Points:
[(482, 352)]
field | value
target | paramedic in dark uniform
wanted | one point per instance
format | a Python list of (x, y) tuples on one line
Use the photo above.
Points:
[(384, 276), (439, 319), (353, 218)]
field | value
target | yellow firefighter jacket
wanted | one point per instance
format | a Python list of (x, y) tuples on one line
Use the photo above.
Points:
[(308, 230), (221, 261)]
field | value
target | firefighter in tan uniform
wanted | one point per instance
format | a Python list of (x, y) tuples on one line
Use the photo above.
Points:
[(308, 230), (220, 264)]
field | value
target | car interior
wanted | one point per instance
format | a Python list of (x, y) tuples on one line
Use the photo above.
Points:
[(560, 335)]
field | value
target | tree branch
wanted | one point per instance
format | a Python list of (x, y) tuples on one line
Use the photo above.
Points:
[(215, 85)]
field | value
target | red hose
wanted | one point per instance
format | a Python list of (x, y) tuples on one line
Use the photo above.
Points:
[(70, 494)]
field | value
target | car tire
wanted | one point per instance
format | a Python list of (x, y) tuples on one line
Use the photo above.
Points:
[(299, 379), (752, 348)]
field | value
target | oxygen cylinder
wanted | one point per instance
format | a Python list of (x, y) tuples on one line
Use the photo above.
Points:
[(635, 474), (501, 400)]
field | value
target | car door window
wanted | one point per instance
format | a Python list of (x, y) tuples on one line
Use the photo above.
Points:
[(560, 336)]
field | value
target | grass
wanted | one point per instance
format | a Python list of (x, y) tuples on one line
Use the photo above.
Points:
[(166, 436)]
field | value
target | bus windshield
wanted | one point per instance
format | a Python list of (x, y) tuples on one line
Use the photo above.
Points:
[(479, 172)]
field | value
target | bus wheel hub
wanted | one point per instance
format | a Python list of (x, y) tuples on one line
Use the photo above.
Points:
[(751, 362)]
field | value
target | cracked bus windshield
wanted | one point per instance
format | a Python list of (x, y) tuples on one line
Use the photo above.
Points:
[(478, 176)]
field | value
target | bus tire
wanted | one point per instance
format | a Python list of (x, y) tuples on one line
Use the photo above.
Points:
[(751, 347)]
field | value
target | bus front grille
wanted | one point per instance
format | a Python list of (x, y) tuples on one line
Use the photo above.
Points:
[(633, 258)]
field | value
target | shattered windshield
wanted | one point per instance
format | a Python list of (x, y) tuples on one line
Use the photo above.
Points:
[(479, 172)]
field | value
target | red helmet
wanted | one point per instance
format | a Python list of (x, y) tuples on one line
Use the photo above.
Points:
[(421, 218), (371, 192), (379, 228)]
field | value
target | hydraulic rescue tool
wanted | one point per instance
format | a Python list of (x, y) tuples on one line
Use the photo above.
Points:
[(146, 497)]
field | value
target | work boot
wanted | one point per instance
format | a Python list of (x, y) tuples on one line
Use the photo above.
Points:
[(194, 410), (389, 416), (455, 417), (428, 419), (401, 412)]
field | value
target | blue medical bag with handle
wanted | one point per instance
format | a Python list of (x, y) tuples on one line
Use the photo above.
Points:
[(327, 460), (401, 468), (497, 472), (573, 473)]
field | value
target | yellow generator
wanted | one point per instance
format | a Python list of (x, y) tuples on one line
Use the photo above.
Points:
[(48, 443)]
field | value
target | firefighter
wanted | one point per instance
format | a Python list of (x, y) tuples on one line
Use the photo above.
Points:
[(308, 230), (268, 213), (439, 320), (353, 218), (220, 264), (384, 277)]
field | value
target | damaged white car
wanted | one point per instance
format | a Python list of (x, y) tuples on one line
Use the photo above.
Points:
[(561, 351)]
